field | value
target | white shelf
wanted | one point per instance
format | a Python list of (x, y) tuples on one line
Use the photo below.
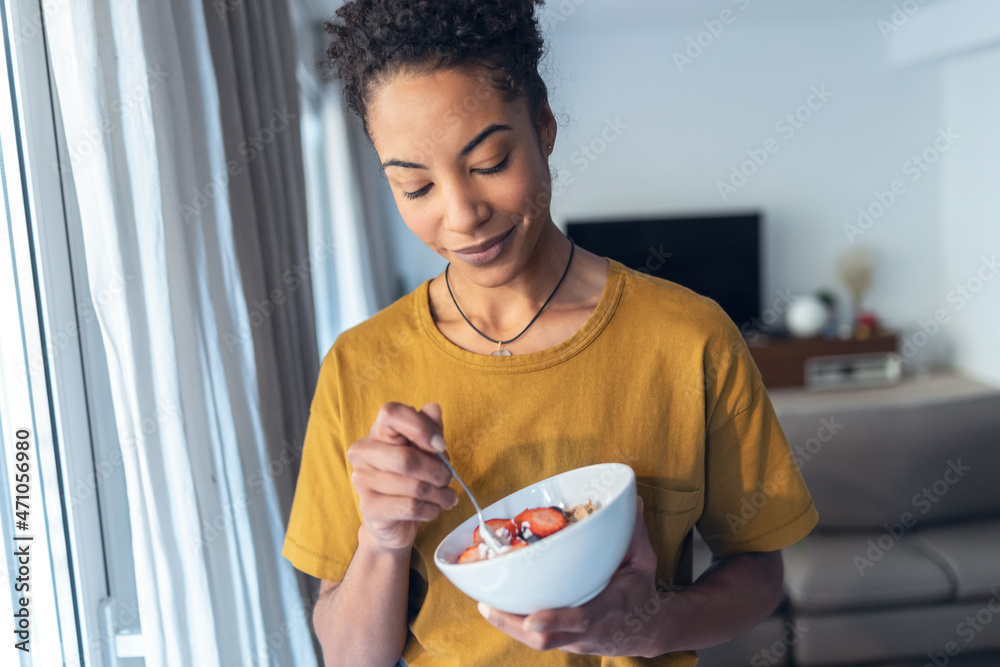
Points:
[(911, 393)]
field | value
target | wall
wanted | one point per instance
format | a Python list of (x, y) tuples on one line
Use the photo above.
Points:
[(682, 132), (686, 130), (681, 129), (970, 231)]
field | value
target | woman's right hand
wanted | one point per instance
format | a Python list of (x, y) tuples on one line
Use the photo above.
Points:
[(398, 475)]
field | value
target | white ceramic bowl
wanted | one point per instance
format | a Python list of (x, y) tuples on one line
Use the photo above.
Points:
[(565, 569)]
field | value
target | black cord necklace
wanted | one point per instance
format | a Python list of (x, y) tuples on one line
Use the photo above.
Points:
[(500, 343)]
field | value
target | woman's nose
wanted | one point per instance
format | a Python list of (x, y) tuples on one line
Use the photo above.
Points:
[(465, 209)]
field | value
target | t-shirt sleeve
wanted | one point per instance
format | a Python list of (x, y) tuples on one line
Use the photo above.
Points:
[(755, 497), (322, 533)]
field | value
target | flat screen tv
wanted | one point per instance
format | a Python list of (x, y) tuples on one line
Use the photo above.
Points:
[(717, 256)]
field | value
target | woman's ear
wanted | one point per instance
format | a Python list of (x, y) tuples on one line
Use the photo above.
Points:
[(546, 128)]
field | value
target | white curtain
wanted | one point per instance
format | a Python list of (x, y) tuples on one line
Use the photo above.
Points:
[(346, 193), (157, 172)]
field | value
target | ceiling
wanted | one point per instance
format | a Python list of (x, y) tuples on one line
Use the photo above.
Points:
[(672, 13)]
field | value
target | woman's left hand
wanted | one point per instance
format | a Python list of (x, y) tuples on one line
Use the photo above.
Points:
[(616, 622)]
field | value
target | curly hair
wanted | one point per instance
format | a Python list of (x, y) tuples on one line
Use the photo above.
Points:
[(376, 39)]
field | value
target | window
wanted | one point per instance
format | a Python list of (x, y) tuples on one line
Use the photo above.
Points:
[(81, 587)]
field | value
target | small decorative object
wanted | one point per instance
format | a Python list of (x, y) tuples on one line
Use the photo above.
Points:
[(855, 269), (829, 299), (807, 316), (867, 325)]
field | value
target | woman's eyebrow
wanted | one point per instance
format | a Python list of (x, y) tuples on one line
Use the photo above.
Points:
[(468, 148), (401, 163)]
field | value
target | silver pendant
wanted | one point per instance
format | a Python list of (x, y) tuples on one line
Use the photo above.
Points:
[(500, 353)]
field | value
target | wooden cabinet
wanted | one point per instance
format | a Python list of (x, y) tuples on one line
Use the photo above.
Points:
[(782, 361)]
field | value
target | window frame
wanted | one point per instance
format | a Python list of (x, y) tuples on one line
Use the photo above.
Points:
[(68, 442)]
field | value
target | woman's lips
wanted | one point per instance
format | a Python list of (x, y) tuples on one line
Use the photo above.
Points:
[(487, 255)]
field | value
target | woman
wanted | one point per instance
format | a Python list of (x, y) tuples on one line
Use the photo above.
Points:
[(529, 357)]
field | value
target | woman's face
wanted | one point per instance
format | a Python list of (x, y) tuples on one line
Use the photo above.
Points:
[(468, 170)]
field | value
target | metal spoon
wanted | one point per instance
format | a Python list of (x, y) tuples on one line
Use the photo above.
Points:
[(489, 537)]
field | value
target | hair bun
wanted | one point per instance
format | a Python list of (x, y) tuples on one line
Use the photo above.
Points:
[(374, 39)]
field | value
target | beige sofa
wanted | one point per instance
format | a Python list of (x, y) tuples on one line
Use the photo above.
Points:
[(904, 567)]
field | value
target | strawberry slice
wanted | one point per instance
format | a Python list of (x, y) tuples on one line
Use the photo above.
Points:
[(540, 521), (496, 525), (517, 543), (471, 555)]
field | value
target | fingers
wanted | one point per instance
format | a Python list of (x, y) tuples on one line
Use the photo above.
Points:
[(397, 485), (514, 626), (640, 550), (433, 412), (400, 424), (570, 619), (397, 473), (372, 455), (384, 508)]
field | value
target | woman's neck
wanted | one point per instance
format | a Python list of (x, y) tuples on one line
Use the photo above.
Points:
[(503, 309)]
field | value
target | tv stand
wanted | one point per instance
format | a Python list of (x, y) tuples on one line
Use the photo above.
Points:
[(913, 392), (782, 361)]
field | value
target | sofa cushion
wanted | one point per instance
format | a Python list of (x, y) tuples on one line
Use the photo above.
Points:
[(870, 456), (770, 642), (969, 553), (991, 659), (864, 569), (897, 633)]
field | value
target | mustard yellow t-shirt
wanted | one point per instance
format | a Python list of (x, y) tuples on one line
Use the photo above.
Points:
[(658, 378)]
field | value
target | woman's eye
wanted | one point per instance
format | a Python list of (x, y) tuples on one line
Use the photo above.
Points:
[(419, 193), (489, 170), (495, 169)]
